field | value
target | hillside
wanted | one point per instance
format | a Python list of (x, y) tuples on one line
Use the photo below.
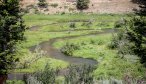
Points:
[(96, 6)]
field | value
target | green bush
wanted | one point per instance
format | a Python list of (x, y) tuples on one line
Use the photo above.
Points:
[(62, 13), (68, 48), (131, 39), (72, 25), (80, 75), (120, 36), (119, 24), (114, 43), (82, 4), (46, 76), (42, 4)]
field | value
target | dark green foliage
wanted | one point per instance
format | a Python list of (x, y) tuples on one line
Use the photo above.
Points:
[(69, 48), (116, 39), (62, 13), (114, 43), (82, 4), (92, 41), (42, 4), (72, 25), (119, 23), (11, 31), (136, 34), (132, 40), (121, 43), (142, 5), (79, 75), (98, 42), (47, 76)]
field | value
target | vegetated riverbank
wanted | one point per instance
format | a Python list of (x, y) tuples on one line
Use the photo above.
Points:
[(56, 54), (43, 34)]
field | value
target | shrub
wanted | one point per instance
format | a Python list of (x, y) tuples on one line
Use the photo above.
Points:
[(72, 25), (82, 4), (99, 42), (92, 41), (114, 43), (62, 13), (46, 76), (42, 4), (54, 5), (120, 36), (75, 75), (68, 48), (119, 23), (80, 75)]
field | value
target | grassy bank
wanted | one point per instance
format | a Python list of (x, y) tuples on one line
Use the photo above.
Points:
[(110, 64)]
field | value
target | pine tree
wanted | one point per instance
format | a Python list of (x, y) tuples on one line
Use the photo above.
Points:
[(11, 31)]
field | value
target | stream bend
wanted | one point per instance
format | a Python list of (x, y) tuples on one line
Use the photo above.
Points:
[(52, 52)]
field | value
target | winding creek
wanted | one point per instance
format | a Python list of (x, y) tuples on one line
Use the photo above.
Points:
[(52, 52)]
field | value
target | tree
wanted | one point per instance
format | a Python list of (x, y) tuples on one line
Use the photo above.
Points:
[(142, 5), (136, 33), (11, 31), (133, 38), (82, 4)]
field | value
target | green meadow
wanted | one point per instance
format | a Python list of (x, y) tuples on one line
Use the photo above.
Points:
[(95, 47)]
